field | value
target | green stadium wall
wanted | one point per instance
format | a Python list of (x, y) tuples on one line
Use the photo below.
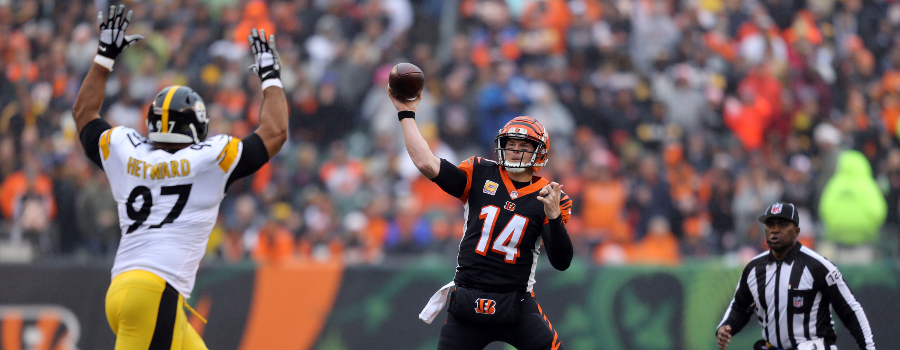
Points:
[(326, 306)]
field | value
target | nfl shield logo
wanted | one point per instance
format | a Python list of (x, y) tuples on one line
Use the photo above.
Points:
[(798, 301), (776, 208), (514, 195)]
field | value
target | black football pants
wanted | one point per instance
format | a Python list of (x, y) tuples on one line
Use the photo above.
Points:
[(532, 332)]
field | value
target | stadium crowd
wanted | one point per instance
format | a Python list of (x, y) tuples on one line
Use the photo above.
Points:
[(673, 123)]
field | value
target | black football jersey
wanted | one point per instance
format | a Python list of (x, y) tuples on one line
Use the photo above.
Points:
[(502, 240)]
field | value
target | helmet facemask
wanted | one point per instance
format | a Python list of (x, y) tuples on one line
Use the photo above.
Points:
[(529, 159), (528, 129)]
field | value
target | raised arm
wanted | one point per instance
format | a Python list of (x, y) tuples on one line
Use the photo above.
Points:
[(90, 96), (418, 149), (112, 42), (273, 116)]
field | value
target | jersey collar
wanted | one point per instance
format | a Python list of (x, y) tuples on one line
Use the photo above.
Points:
[(791, 255), (537, 183)]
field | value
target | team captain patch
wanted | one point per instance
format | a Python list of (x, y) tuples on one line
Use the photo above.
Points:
[(490, 187)]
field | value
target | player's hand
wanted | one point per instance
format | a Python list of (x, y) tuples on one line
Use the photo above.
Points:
[(402, 104), (112, 32), (268, 64), (723, 336), (549, 195)]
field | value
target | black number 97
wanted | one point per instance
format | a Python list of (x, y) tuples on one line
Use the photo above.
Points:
[(141, 215)]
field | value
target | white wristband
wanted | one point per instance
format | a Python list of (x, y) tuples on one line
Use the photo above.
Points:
[(272, 82), (104, 61)]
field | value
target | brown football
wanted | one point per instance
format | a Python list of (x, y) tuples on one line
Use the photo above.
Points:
[(406, 80)]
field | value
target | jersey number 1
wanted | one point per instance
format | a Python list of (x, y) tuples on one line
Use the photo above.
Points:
[(141, 215), (507, 242)]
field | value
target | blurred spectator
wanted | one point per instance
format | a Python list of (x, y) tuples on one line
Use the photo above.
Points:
[(275, 244), (319, 217), (685, 105), (650, 196), (659, 247), (495, 40), (322, 47), (504, 97), (654, 30), (544, 25), (67, 175), (603, 202), (692, 114), (889, 182), (125, 112), (828, 140), (753, 189), (747, 116), (456, 115), (242, 229), (255, 16), (547, 109), (343, 177), (97, 216), (408, 233), (26, 198), (852, 210), (657, 130)]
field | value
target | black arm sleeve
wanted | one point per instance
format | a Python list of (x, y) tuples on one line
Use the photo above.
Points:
[(253, 157), (559, 246), (451, 179), (739, 311), (90, 139)]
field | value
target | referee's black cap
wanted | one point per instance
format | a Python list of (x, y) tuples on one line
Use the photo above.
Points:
[(781, 210)]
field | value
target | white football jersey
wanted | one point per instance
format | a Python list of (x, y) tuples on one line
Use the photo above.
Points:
[(168, 202)]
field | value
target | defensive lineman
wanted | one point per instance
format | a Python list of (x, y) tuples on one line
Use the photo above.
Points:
[(168, 187)]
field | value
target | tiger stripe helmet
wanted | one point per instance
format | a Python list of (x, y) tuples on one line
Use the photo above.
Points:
[(524, 128)]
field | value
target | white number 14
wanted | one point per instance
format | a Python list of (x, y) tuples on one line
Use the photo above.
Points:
[(507, 242)]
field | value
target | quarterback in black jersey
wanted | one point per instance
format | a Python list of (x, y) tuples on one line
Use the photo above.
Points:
[(510, 214)]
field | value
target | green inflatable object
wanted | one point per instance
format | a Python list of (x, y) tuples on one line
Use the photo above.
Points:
[(852, 207)]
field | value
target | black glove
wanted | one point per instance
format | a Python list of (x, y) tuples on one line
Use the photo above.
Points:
[(112, 32), (268, 65), (762, 345)]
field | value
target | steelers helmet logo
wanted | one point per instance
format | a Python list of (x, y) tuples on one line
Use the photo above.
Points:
[(200, 111)]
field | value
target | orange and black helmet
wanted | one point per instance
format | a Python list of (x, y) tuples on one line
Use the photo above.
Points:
[(524, 128), (177, 115)]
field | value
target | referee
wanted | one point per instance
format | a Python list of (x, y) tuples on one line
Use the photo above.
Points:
[(790, 289)]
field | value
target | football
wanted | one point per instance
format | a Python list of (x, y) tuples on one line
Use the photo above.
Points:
[(406, 80)]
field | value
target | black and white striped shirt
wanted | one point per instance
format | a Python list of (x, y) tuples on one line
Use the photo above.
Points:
[(791, 300)]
